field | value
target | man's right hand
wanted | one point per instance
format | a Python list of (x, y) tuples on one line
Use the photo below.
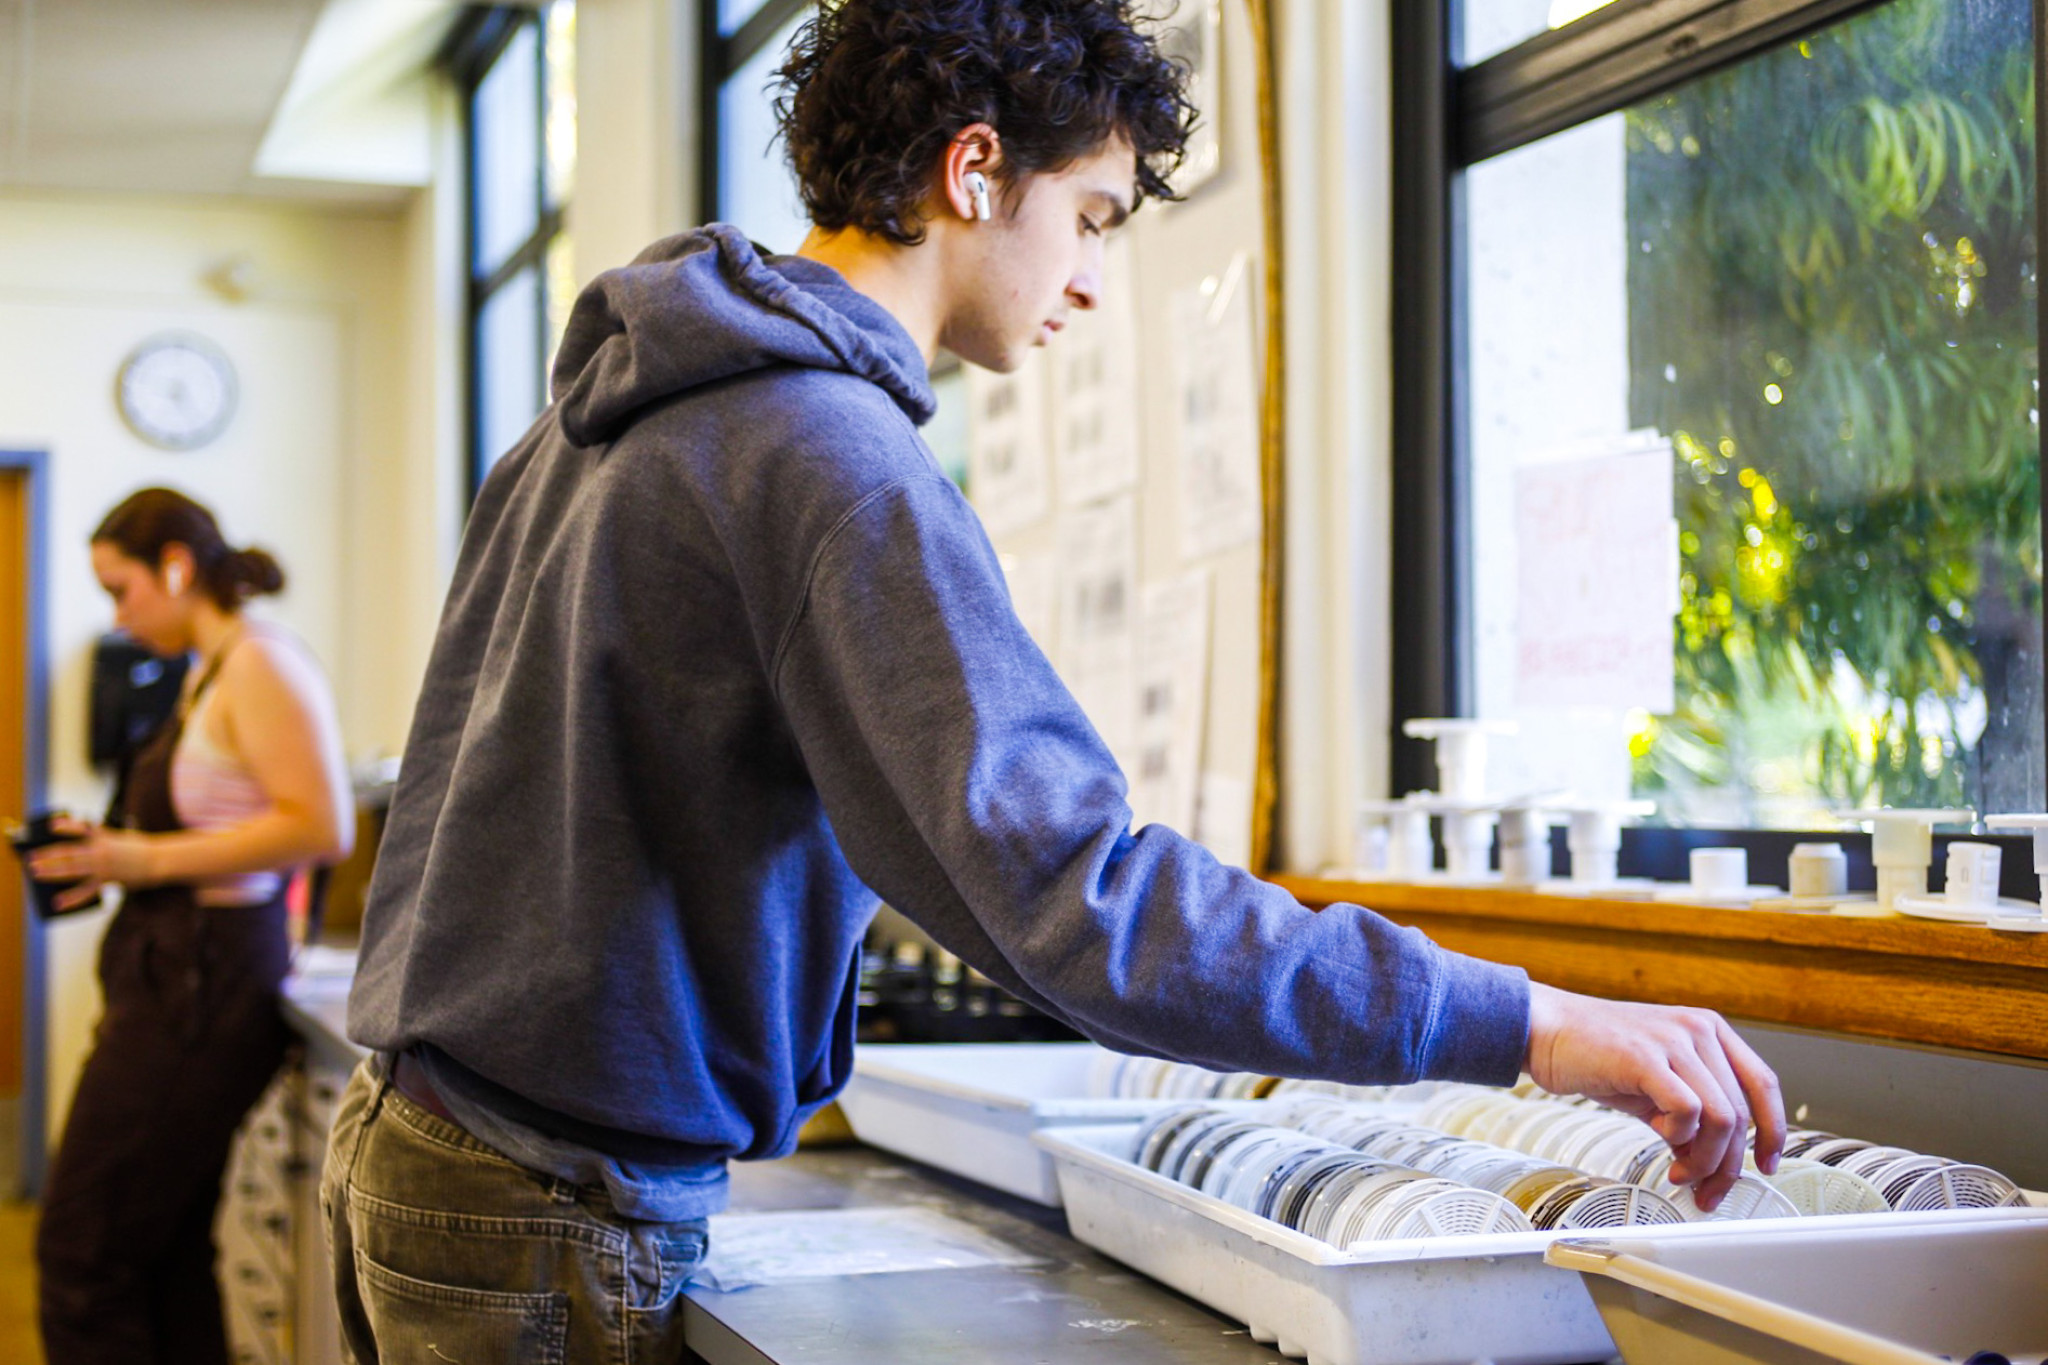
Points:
[(1682, 1071)]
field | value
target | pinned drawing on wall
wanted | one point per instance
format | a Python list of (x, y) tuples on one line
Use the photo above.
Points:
[(1597, 563), (1173, 694), (1191, 34), (1095, 396), (1035, 594), (1216, 402), (1098, 567), (1007, 474)]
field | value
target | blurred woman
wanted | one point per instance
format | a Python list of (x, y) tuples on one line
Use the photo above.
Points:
[(242, 785)]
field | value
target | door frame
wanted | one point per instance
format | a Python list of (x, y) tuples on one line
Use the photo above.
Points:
[(34, 466)]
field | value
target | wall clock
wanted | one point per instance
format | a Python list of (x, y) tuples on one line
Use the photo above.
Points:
[(177, 391)]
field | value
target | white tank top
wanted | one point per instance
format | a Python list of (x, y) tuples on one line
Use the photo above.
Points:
[(212, 788)]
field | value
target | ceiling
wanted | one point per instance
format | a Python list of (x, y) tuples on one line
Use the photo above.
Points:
[(178, 96)]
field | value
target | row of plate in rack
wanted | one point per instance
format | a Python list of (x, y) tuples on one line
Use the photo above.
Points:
[(1419, 1226)]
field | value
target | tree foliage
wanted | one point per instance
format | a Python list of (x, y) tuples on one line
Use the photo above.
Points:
[(1832, 314)]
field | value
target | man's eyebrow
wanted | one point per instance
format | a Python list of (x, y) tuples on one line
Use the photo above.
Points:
[(1119, 209)]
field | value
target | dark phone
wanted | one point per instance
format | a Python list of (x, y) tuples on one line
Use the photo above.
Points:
[(26, 839), (133, 692)]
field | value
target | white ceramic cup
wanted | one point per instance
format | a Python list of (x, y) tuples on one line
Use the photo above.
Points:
[(1972, 877), (1818, 870), (1717, 870)]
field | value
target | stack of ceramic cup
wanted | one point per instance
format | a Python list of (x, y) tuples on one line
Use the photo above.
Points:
[(1113, 1075), (1328, 1191), (1901, 1179), (1596, 1141), (1551, 1194)]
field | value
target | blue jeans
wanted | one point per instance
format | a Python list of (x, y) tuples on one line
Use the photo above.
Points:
[(444, 1250)]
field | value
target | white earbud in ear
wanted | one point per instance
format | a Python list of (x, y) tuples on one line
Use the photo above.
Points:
[(174, 579), (977, 189)]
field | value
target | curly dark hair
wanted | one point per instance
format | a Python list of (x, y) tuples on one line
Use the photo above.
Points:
[(874, 90)]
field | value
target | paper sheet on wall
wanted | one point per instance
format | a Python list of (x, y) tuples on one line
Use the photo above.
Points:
[(749, 1249), (1095, 393), (1034, 581), (1217, 412), (1223, 818), (1098, 566), (1008, 472), (1597, 561), (1173, 687)]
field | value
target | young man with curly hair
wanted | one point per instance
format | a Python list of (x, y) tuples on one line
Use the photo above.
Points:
[(727, 658)]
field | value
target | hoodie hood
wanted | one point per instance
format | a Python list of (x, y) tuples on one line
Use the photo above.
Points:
[(704, 306)]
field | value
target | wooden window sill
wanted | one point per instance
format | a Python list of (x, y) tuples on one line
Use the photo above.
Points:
[(1916, 981)]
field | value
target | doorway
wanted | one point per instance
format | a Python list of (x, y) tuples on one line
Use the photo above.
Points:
[(23, 751)]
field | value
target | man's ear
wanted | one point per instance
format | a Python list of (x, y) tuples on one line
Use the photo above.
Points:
[(975, 150)]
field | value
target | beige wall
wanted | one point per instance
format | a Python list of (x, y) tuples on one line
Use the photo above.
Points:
[(636, 115), (334, 459), (1335, 122)]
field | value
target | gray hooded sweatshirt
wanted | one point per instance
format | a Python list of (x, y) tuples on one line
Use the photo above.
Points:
[(726, 658)]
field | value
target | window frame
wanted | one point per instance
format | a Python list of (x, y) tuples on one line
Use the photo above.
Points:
[(479, 39), (1447, 119), (723, 55)]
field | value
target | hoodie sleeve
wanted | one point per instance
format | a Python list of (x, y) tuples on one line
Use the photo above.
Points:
[(968, 790)]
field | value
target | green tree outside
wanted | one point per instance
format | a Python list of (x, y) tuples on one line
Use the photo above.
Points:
[(1832, 304)]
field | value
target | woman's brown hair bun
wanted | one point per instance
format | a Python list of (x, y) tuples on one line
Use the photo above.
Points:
[(145, 523), (250, 573)]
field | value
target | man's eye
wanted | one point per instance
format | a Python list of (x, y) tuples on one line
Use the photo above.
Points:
[(1088, 225)]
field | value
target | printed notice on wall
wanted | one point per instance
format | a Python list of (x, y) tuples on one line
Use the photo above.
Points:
[(1098, 626), (1216, 402), (1597, 553), (1007, 464), (1173, 684), (1095, 393)]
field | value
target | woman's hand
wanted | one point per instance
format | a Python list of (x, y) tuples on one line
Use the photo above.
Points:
[(1682, 1071), (92, 855)]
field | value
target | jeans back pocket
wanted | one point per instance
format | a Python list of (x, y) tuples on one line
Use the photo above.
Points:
[(442, 1323)]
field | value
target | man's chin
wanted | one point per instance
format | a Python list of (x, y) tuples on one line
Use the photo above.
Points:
[(996, 359)]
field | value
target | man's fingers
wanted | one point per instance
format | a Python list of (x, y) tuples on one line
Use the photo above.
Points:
[(1716, 1147), (1709, 1193), (1677, 1119), (1760, 1086), (1709, 1140), (1730, 1100)]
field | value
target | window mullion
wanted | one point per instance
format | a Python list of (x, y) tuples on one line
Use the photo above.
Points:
[(2040, 36), (1613, 58)]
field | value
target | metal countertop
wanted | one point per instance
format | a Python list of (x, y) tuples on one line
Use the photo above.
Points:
[(317, 1006), (1073, 1304)]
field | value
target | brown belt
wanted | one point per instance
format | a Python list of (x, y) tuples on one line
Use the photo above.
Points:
[(409, 1078)]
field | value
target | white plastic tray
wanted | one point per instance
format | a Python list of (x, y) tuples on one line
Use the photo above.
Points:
[(1434, 1301), (1886, 1292), (971, 1108)]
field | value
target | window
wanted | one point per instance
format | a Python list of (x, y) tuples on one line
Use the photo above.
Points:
[(748, 181), (517, 69), (1753, 285)]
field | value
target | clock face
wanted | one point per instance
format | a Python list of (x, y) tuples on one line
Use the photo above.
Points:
[(177, 391)]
